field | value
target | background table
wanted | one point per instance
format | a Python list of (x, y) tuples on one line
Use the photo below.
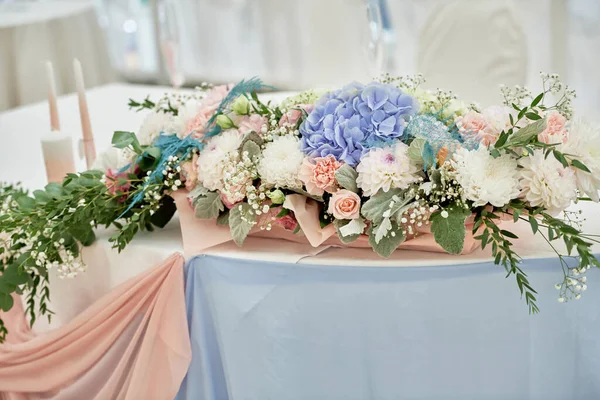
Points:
[(58, 31)]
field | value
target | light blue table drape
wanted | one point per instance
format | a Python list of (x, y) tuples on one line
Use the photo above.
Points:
[(263, 330)]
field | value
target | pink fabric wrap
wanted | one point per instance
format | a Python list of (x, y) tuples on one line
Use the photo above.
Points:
[(199, 235), (131, 344)]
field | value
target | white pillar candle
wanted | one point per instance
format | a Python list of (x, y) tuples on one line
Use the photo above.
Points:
[(54, 123), (58, 155), (89, 147)]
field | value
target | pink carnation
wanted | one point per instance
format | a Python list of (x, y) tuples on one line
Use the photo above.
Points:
[(288, 222), (247, 123), (472, 123), (555, 131), (189, 172), (318, 174), (293, 116), (208, 107), (112, 177)]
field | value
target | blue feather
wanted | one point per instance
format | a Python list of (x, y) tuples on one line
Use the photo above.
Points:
[(171, 145)]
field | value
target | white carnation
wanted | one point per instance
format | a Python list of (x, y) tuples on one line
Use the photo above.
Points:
[(211, 166), (485, 179), (584, 142), (112, 158), (544, 182), (281, 161), (386, 168), (186, 113), (154, 124)]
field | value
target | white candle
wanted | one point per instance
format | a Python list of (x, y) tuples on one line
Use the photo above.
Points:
[(89, 147), (54, 122), (57, 148)]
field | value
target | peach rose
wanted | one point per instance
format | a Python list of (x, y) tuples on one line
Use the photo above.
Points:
[(250, 123), (555, 131), (318, 174), (293, 116), (344, 204)]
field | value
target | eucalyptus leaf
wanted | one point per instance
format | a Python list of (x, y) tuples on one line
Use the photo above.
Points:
[(6, 301), (209, 206), (415, 150), (253, 149), (346, 177), (448, 227), (525, 134), (387, 244), (240, 222)]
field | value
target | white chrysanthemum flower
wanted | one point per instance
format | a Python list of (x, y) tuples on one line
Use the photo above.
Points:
[(185, 114), (112, 158), (281, 161), (545, 182), (154, 124), (584, 142), (211, 166), (386, 168), (485, 179)]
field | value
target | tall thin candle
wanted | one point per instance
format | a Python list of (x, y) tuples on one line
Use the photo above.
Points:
[(54, 121), (89, 147)]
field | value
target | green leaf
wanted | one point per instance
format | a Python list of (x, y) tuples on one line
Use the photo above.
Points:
[(209, 206), (122, 139), (561, 158), (346, 177), (415, 150), (252, 137), (253, 150), (241, 227), (55, 190), (41, 197), (83, 233), (223, 218), (450, 232), (15, 275), (528, 132), (534, 224), (580, 165), (501, 139), (374, 208), (508, 234), (533, 116), (149, 159), (25, 203), (387, 244), (340, 223), (537, 100), (6, 302)]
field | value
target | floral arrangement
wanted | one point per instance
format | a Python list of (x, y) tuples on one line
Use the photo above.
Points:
[(387, 161)]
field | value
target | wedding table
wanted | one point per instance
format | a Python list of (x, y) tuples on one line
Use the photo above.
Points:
[(288, 321)]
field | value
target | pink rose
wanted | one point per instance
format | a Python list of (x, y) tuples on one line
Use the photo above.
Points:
[(471, 123), (497, 119), (344, 204), (250, 123), (288, 222), (318, 174), (555, 131), (189, 172), (112, 177), (293, 116)]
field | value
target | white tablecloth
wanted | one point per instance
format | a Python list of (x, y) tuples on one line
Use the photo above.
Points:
[(21, 159), (58, 31)]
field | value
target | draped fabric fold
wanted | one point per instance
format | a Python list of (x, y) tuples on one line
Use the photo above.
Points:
[(131, 344)]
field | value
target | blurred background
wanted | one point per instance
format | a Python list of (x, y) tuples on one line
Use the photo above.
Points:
[(469, 46)]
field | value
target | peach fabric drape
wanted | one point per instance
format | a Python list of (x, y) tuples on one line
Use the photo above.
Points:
[(131, 344)]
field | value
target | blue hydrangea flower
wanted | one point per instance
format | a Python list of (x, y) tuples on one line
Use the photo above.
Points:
[(347, 122)]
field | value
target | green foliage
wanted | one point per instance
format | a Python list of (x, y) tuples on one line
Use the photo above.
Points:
[(346, 177), (122, 139), (448, 227), (389, 243), (241, 219), (209, 206), (396, 201), (340, 224)]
